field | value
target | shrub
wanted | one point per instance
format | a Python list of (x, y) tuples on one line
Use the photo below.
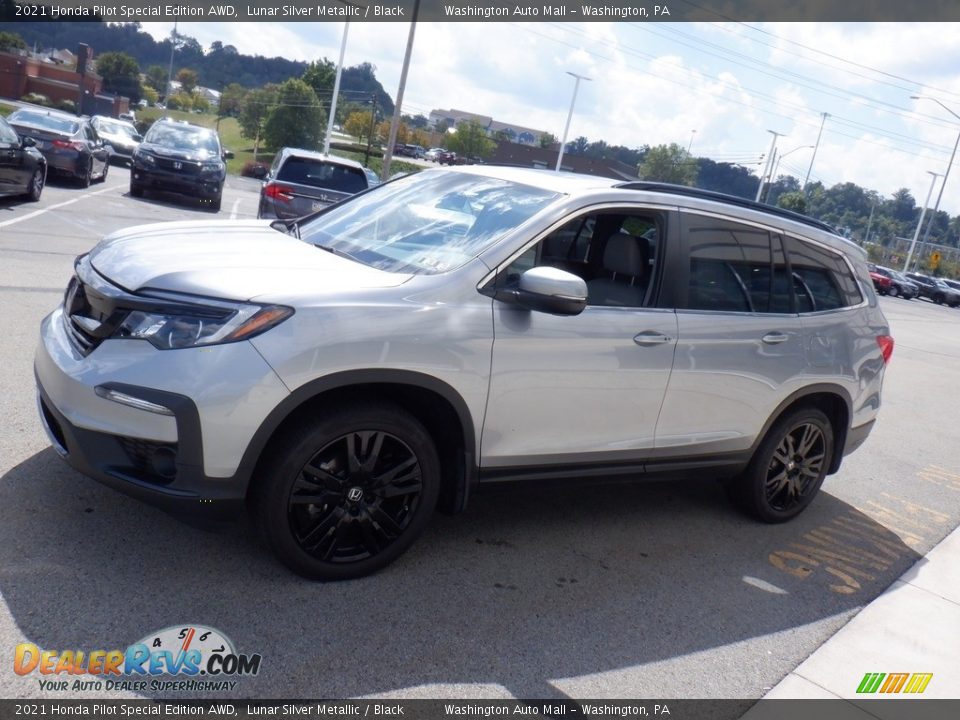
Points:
[(67, 106), (37, 99)]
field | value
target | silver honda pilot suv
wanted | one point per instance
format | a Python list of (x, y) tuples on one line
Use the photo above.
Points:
[(344, 374)]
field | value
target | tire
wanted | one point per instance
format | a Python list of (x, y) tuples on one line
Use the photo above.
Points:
[(136, 190), (87, 176), (938, 299), (373, 475), (103, 176), (216, 203), (893, 291), (788, 467), (35, 188)]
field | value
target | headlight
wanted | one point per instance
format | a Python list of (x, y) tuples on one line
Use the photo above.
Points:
[(214, 168), (193, 326), (145, 158)]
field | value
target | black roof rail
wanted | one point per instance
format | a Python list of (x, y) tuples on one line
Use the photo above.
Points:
[(728, 200)]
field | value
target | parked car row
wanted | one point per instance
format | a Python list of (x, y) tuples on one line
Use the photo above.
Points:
[(70, 144), (23, 168), (887, 281)]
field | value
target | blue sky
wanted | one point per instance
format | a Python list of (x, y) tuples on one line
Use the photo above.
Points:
[(721, 86)]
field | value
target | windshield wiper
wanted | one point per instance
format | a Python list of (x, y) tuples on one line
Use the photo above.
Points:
[(334, 251)]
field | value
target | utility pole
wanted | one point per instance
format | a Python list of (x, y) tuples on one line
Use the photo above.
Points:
[(395, 123), (913, 243), (768, 164), (823, 119), (869, 223), (936, 207), (373, 122)]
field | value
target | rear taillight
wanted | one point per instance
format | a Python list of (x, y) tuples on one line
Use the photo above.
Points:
[(71, 144), (886, 347), (276, 191)]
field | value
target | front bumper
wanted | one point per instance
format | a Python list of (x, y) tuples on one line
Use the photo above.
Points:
[(188, 462), (207, 187)]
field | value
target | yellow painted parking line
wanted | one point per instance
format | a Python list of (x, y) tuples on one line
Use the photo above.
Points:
[(41, 211)]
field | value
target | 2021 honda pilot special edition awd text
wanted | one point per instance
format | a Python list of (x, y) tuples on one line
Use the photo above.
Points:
[(344, 374)]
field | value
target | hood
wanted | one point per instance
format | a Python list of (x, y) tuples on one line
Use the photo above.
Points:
[(229, 259), (195, 154)]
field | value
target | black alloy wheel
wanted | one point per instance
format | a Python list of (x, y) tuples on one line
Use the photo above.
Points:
[(346, 494), (35, 188), (87, 177), (788, 467), (103, 175), (893, 291)]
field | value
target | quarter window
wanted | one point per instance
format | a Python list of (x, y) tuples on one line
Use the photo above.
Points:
[(821, 279)]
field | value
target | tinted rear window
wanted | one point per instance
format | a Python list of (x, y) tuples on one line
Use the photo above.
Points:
[(42, 120), (320, 174)]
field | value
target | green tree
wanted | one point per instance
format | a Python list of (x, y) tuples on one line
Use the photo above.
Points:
[(296, 119), (253, 113), (156, 77), (578, 146), (669, 164), (320, 76), (231, 100), (793, 201), (149, 94), (548, 139), (471, 140), (11, 41), (120, 73), (187, 79)]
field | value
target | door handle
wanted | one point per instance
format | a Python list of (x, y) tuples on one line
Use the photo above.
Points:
[(775, 338), (650, 338)]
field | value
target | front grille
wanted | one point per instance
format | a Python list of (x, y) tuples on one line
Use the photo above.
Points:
[(90, 311), (186, 167)]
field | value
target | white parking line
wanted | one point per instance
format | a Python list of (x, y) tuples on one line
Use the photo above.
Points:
[(35, 213), (233, 211)]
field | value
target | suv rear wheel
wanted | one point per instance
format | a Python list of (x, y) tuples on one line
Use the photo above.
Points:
[(788, 467), (347, 493)]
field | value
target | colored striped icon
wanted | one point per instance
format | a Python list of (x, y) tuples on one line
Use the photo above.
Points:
[(914, 683)]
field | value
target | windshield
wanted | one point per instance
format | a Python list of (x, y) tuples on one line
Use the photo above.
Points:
[(114, 127), (183, 137), (42, 120), (427, 223)]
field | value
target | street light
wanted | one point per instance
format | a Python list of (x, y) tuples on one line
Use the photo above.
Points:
[(781, 156), (336, 88), (690, 144), (566, 129), (913, 243), (946, 175), (823, 119)]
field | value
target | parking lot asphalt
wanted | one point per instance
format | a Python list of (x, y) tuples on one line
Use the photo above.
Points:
[(624, 591)]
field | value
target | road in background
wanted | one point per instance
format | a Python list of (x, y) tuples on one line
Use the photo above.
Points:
[(619, 591)]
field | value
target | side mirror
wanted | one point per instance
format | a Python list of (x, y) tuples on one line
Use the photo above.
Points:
[(227, 154), (27, 142), (551, 290)]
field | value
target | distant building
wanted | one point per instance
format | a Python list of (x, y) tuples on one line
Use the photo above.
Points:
[(494, 128), (53, 75)]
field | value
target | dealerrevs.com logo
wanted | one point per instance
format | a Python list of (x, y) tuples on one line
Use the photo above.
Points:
[(891, 683), (201, 658)]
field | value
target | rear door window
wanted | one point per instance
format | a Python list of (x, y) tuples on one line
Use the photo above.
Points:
[(822, 280)]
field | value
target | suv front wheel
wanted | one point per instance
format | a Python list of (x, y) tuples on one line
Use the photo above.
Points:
[(345, 494), (788, 467)]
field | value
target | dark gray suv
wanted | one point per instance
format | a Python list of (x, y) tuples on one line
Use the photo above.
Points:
[(346, 374), (301, 182)]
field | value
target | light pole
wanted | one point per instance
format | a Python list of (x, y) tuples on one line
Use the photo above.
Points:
[(773, 175), (823, 119), (566, 129), (336, 89), (946, 175), (397, 108), (173, 47), (690, 144), (766, 166), (913, 243)]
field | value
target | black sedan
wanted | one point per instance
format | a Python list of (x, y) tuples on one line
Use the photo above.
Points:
[(70, 144), (23, 170)]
